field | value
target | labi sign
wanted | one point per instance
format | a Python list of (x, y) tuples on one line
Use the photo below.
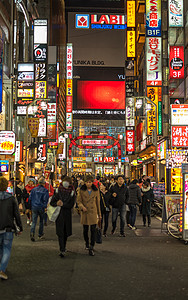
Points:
[(86, 21)]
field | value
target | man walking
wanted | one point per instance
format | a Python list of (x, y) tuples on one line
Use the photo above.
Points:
[(39, 199), (134, 200), (119, 198)]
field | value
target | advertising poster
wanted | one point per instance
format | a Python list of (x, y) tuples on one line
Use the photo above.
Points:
[(4, 165), (186, 202), (175, 13), (172, 204), (7, 142), (154, 61), (176, 62), (153, 18)]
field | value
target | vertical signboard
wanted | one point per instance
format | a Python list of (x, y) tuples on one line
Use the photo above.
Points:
[(131, 44), (131, 13), (130, 112), (154, 61), (176, 62), (130, 140), (175, 13), (69, 85), (153, 18), (155, 95), (185, 207)]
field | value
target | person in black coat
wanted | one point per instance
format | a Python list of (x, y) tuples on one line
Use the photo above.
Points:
[(147, 198), (105, 206), (133, 202), (65, 198), (119, 199)]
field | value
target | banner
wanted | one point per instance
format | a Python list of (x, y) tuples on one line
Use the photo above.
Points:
[(175, 13)]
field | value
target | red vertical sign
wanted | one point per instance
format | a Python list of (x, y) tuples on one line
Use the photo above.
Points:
[(176, 62)]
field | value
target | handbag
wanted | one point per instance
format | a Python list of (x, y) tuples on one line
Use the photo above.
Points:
[(53, 212), (98, 235)]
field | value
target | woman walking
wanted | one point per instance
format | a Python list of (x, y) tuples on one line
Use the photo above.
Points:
[(65, 198), (105, 207), (89, 203), (147, 198), (26, 192)]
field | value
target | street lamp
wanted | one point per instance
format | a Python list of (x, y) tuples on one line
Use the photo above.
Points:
[(154, 132)]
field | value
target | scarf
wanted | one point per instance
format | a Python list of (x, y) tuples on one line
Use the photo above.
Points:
[(146, 190)]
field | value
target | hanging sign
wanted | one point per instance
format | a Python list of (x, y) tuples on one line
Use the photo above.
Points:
[(179, 114), (179, 136), (130, 13), (7, 142), (33, 124), (4, 165), (131, 44), (176, 62), (19, 151), (175, 13), (41, 153), (154, 61), (130, 112), (130, 140), (153, 18)]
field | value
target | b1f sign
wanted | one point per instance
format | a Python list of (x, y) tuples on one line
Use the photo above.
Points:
[(176, 62), (153, 18)]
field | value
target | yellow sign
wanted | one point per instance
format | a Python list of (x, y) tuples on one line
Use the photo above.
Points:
[(154, 94), (130, 13), (131, 49), (25, 93), (176, 180), (69, 87), (33, 124), (134, 162), (40, 89)]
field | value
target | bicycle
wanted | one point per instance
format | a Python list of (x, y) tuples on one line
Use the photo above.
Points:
[(173, 226)]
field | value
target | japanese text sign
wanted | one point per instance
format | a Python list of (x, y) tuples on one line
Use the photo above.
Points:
[(130, 140), (153, 61), (179, 114), (155, 95), (153, 18), (40, 89), (41, 153), (69, 61), (7, 142), (130, 112), (175, 158), (130, 13), (33, 124), (131, 44), (176, 62), (179, 136)]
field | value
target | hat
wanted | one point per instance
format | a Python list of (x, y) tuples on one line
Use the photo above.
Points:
[(32, 179)]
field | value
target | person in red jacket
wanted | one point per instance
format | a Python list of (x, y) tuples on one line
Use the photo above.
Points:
[(26, 192), (51, 192)]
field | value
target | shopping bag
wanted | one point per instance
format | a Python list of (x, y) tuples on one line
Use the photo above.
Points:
[(98, 236), (53, 212)]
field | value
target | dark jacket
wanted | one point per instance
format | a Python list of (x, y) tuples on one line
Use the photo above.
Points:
[(122, 196), (64, 220), (147, 198), (134, 194), (39, 197), (9, 213), (105, 202), (19, 194)]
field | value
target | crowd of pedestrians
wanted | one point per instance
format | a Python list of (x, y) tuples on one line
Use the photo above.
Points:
[(94, 199)]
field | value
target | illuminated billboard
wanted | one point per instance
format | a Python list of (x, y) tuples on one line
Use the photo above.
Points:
[(100, 21), (130, 13), (101, 94), (154, 61), (155, 95), (153, 18), (176, 62), (131, 44)]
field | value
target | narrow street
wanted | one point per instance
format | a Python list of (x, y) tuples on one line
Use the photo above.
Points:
[(146, 264)]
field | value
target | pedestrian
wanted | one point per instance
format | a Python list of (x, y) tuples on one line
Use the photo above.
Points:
[(50, 189), (26, 192), (133, 202), (88, 200), (97, 182), (19, 196), (119, 199), (65, 198), (105, 207), (38, 200), (9, 215), (147, 199)]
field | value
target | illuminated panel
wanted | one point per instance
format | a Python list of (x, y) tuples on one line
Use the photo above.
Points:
[(101, 95), (69, 93), (131, 44)]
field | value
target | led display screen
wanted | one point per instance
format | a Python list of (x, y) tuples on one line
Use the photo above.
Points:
[(101, 95)]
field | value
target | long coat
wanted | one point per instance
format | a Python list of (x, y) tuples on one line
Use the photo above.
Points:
[(64, 220), (91, 202), (147, 198)]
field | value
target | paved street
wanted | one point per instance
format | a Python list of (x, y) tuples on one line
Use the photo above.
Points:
[(139, 266)]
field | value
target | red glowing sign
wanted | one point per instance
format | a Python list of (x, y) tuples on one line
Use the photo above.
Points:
[(179, 136), (101, 95), (176, 62), (130, 140)]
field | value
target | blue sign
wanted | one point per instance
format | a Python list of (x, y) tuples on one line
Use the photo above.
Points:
[(153, 18), (4, 164)]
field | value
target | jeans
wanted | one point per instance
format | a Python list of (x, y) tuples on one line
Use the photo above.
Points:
[(86, 237), (6, 239), (35, 213), (132, 217), (122, 211), (105, 217)]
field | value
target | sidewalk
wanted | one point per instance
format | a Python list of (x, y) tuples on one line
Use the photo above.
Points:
[(139, 266)]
